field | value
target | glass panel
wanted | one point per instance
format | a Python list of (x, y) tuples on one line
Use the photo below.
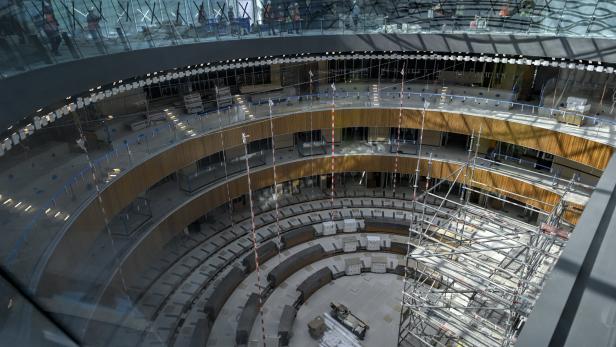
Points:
[(23, 324), (60, 171), (38, 34)]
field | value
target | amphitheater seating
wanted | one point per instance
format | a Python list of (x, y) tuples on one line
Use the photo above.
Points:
[(201, 333), (247, 319), (387, 225), (399, 248), (222, 292), (265, 252), (297, 236), (294, 263), (217, 236), (399, 270), (314, 282), (285, 327)]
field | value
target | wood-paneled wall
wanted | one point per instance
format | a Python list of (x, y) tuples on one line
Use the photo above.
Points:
[(174, 223), (126, 188), (207, 200), (85, 229)]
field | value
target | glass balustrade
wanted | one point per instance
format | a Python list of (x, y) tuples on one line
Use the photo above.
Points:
[(44, 191), (37, 330), (64, 179), (198, 178), (41, 33)]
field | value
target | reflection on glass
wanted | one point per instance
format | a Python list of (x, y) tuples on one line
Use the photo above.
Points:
[(40, 33), (23, 324)]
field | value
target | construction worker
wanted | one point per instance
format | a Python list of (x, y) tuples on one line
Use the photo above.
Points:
[(93, 20), (51, 27), (296, 17), (268, 17)]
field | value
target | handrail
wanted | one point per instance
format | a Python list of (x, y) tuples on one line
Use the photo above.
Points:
[(44, 35), (143, 135), (128, 144)]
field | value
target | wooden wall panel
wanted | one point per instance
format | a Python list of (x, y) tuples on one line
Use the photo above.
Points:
[(564, 145), (176, 221), (85, 229), (154, 242)]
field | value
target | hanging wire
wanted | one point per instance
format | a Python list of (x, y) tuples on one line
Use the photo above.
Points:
[(310, 74), (423, 118), (81, 142), (254, 237), (333, 86), (271, 103), (465, 197), (398, 130), (224, 160), (417, 167), (468, 160)]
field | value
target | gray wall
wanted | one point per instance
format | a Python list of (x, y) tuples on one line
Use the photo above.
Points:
[(578, 304)]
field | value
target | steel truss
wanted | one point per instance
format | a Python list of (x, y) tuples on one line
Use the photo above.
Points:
[(472, 274)]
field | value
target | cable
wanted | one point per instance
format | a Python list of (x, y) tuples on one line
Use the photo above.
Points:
[(333, 118), (271, 103), (224, 160), (398, 131), (254, 237)]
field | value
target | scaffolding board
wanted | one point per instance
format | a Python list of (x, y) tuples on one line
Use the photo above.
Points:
[(477, 272)]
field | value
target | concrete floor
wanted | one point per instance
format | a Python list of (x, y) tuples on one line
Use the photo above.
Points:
[(223, 331), (374, 298)]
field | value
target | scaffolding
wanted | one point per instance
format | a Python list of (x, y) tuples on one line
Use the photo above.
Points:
[(473, 274)]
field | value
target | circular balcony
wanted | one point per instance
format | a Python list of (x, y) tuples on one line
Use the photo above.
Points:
[(147, 39), (78, 223)]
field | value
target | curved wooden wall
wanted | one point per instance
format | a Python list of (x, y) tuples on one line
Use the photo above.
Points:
[(185, 214), (85, 229), (126, 188)]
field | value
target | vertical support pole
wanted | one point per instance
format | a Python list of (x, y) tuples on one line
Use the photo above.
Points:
[(310, 74), (402, 323), (421, 131)]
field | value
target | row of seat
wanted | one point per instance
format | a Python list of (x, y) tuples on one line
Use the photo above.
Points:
[(291, 238), (297, 261), (278, 275), (179, 262), (306, 289), (269, 248)]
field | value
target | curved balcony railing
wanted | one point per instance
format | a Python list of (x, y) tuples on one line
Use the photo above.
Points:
[(33, 237), (35, 227), (103, 268), (45, 221), (41, 33)]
